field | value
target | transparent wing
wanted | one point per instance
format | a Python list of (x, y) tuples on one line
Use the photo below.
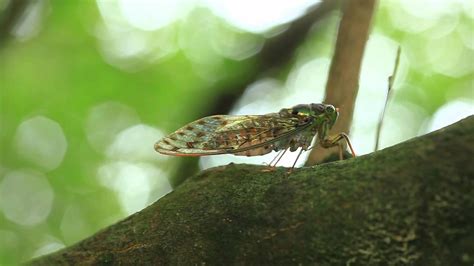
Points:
[(221, 134)]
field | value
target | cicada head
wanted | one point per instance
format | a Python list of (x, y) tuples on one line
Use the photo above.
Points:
[(319, 112), (325, 113)]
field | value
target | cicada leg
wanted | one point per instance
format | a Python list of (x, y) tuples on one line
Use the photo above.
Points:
[(341, 152), (284, 151), (297, 157), (279, 156), (336, 140)]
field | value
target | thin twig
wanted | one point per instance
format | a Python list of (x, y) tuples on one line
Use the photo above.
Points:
[(389, 93)]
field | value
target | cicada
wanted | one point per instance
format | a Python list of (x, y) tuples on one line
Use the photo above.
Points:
[(253, 135)]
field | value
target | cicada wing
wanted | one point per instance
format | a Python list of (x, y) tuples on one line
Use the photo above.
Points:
[(229, 134), (194, 139)]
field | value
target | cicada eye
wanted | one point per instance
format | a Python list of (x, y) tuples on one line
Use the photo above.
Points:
[(330, 109), (317, 108)]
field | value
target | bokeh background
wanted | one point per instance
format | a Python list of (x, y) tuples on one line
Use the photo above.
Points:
[(87, 87)]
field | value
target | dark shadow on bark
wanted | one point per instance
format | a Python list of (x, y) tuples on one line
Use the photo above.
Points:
[(409, 204)]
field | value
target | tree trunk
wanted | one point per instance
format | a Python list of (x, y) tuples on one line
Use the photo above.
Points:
[(412, 203)]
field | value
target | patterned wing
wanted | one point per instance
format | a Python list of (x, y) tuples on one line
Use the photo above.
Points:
[(220, 134)]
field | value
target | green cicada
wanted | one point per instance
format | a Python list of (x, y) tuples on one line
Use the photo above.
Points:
[(253, 135)]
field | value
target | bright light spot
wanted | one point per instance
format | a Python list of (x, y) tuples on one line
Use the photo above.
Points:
[(133, 183), (465, 32), (378, 64), (430, 9), (306, 83), (402, 122), (259, 98), (195, 39), (131, 43), (152, 15), (468, 6), (258, 16), (451, 112), (404, 21), (421, 15), (270, 95), (50, 245), (132, 50), (107, 120), (135, 143), (447, 55), (73, 226), (26, 197), (29, 23), (236, 45), (41, 141), (123, 40)]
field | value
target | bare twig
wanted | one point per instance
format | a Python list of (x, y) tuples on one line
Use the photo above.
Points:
[(389, 93)]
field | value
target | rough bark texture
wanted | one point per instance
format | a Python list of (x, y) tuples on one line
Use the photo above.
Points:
[(412, 203), (343, 80)]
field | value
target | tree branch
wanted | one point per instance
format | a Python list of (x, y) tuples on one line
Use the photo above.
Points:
[(408, 204), (343, 80)]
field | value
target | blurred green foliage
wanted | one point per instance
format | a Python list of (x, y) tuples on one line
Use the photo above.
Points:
[(67, 67)]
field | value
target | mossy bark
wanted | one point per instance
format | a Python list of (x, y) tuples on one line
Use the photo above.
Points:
[(412, 203)]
